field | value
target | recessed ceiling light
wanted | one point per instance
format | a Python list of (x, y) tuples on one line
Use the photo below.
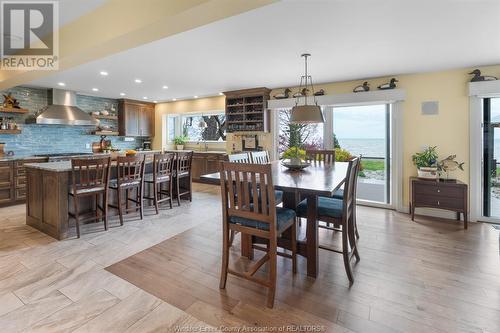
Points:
[(220, 94), (95, 89), (103, 73), (155, 101), (62, 84), (174, 99), (165, 87), (138, 81), (195, 96), (145, 97), (122, 94)]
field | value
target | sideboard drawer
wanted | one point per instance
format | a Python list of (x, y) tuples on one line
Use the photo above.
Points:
[(437, 190), (440, 202)]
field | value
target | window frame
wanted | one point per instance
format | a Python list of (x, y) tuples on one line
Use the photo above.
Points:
[(180, 120)]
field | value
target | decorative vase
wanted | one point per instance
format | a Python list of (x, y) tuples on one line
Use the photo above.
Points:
[(180, 147), (428, 172)]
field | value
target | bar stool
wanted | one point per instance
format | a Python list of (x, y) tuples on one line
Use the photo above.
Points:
[(90, 177), (183, 171), (163, 167), (130, 177)]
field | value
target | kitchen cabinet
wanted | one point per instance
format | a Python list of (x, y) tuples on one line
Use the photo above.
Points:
[(204, 163), (13, 181), (135, 118)]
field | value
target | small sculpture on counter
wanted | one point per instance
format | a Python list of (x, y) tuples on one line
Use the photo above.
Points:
[(10, 102), (302, 93), (285, 94), (389, 85), (320, 92), (363, 87), (478, 77)]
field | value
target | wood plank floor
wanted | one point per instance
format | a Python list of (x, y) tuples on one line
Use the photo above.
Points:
[(419, 276), (429, 275)]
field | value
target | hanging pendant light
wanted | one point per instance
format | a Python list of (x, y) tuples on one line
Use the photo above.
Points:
[(306, 114)]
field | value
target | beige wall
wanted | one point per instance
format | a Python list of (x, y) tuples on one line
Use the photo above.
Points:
[(449, 130)]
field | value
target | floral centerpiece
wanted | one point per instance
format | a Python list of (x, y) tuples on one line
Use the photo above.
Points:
[(426, 163), (295, 154)]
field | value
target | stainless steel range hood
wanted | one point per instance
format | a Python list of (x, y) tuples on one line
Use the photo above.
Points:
[(62, 110)]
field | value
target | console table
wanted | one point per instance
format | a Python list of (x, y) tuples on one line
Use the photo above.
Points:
[(443, 194)]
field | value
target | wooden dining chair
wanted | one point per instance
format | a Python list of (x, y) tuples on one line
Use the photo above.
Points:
[(340, 212), (325, 156), (90, 177), (260, 157), (239, 158), (183, 173), (249, 207), (129, 178), (163, 167)]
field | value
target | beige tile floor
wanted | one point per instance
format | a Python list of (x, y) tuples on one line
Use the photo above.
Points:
[(61, 286)]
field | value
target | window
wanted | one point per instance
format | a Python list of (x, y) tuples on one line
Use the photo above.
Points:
[(215, 129), (171, 128), (307, 136)]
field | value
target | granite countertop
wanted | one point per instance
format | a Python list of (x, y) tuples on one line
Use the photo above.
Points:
[(6, 158), (62, 166)]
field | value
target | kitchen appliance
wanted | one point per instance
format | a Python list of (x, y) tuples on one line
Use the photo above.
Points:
[(146, 145), (62, 110)]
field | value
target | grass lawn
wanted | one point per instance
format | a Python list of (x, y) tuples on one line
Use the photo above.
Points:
[(372, 165)]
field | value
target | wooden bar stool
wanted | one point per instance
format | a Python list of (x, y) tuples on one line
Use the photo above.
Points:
[(130, 177), (183, 171), (163, 167), (90, 177), (249, 207)]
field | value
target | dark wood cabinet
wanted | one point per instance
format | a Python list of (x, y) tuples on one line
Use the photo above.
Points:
[(135, 118), (13, 181), (246, 110), (443, 194), (204, 163)]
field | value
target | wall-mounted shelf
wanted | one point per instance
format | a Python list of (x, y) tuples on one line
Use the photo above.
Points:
[(105, 133), (246, 110), (16, 131), (13, 110), (106, 117)]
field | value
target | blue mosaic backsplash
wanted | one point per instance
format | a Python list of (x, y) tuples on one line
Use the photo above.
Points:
[(40, 139)]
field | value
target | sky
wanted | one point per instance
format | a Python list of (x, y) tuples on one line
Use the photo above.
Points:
[(359, 122)]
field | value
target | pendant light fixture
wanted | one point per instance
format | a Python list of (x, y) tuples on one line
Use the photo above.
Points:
[(306, 114)]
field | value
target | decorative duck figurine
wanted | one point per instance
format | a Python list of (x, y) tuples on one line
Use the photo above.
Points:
[(363, 87), (389, 85), (285, 94), (301, 93), (478, 77), (320, 92)]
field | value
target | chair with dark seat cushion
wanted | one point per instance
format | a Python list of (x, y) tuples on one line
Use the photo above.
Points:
[(163, 167), (340, 213), (90, 177), (239, 158), (321, 155), (254, 215), (129, 178), (339, 194), (183, 175)]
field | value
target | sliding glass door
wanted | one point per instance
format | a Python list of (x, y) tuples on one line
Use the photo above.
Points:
[(491, 158)]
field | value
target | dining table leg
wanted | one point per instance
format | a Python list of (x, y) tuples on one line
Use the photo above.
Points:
[(312, 236)]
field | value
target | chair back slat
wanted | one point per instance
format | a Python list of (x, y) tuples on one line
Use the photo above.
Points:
[(239, 158), (163, 165), (349, 200), (184, 161), (248, 192), (260, 157), (325, 156), (88, 173), (130, 168)]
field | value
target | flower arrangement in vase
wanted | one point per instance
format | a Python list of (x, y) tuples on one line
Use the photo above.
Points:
[(426, 163)]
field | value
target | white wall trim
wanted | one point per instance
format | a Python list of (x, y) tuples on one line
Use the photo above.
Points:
[(397, 156), (362, 98), (484, 89), (475, 157)]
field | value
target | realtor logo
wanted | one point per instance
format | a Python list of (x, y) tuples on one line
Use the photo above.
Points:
[(30, 35)]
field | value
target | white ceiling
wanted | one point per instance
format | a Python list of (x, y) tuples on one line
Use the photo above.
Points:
[(348, 39)]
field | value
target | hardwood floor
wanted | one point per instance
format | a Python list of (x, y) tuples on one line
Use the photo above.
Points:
[(427, 275)]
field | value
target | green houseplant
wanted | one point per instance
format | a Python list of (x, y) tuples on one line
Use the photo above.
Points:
[(180, 141), (295, 154), (426, 163)]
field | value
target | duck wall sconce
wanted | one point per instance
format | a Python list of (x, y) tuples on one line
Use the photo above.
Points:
[(362, 87), (283, 95), (320, 92), (388, 85), (479, 78), (301, 93)]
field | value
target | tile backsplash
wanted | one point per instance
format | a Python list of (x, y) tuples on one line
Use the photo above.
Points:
[(40, 139)]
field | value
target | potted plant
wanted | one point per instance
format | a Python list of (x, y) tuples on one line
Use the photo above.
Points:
[(426, 163), (180, 141), (295, 154)]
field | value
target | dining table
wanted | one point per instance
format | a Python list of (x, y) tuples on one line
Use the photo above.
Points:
[(319, 179)]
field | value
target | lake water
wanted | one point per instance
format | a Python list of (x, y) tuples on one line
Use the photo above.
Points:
[(365, 147)]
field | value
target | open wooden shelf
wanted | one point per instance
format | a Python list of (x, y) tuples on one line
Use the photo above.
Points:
[(16, 131), (106, 117), (105, 133), (13, 110), (246, 110)]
